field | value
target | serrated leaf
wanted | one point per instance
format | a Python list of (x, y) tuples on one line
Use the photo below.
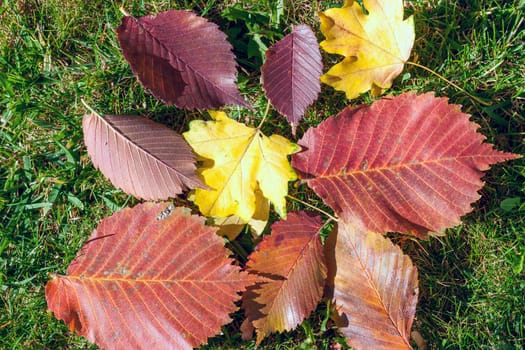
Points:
[(291, 265), (374, 286), (409, 163), (181, 58), (148, 277), (290, 75), (244, 161), (375, 45), (143, 158)]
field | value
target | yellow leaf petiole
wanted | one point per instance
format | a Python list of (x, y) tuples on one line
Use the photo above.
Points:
[(477, 99), (266, 112)]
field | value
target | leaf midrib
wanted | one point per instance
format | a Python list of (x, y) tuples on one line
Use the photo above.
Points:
[(256, 132), (411, 164), (85, 279)]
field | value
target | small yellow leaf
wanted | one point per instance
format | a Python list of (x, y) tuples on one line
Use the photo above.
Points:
[(244, 161), (375, 45)]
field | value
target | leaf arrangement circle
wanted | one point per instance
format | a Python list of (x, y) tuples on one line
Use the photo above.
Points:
[(155, 276)]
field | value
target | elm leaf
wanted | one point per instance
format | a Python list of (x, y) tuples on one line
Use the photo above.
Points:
[(181, 58), (152, 276), (411, 164), (292, 271), (290, 75), (143, 158), (375, 288)]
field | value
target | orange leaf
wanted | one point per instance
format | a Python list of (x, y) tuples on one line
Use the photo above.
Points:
[(375, 288), (292, 271), (150, 276)]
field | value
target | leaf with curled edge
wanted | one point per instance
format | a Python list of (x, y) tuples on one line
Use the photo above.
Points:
[(182, 59), (374, 286), (149, 275), (376, 45), (290, 75), (292, 271), (411, 163), (143, 158)]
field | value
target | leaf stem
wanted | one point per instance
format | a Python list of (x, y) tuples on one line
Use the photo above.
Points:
[(90, 109), (313, 207), (477, 99), (237, 248), (266, 112), (124, 12)]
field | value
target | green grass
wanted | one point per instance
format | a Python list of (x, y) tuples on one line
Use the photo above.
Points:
[(55, 53)]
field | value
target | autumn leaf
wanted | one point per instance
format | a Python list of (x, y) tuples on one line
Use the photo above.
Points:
[(374, 286), (244, 161), (375, 45), (153, 275), (232, 226), (181, 58), (143, 158), (290, 74), (409, 163), (291, 265)]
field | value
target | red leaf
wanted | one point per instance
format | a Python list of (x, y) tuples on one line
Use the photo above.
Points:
[(143, 158), (149, 277), (290, 264), (182, 58), (407, 163), (290, 75), (375, 288)]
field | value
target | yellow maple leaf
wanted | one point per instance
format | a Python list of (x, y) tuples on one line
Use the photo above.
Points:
[(244, 161), (375, 45)]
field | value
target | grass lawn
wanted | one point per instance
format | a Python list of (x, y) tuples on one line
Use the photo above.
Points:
[(55, 53)]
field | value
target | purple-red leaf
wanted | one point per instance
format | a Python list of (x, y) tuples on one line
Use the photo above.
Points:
[(151, 277), (290, 75), (407, 163), (290, 265), (181, 58), (143, 158), (374, 286)]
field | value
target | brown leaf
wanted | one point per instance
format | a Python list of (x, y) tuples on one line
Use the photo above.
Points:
[(290, 75), (409, 163), (375, 288), (291, 269), (143, 158), (181, 58), (148, 277)]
